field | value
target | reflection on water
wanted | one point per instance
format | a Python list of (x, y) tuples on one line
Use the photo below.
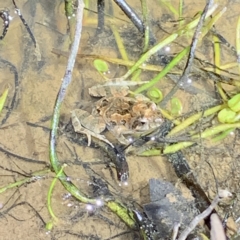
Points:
[(34, 75)]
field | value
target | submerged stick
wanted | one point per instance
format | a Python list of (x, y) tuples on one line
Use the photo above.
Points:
[(131, 14), (4, 15), (100, 7), (146, 24), (191, 54), (24, 23), (60, 97)]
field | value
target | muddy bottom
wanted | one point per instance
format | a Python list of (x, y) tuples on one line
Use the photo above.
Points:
[(33, 76)]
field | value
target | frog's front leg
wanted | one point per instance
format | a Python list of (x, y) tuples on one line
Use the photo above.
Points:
[(79, 128), (85, 123)]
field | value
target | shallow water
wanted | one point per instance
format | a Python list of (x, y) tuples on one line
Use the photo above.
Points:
[(38, 72)]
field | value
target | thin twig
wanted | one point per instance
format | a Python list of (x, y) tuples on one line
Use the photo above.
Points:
[(146, 24), (131, 14), (56, 113), (4, 15), (191, 54), (65, 82), (18, 12), (101, 7)]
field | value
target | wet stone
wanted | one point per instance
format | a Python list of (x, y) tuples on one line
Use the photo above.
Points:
[(168, 207)]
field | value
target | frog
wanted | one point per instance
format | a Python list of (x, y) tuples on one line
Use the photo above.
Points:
[(84, 122), (116, 112)]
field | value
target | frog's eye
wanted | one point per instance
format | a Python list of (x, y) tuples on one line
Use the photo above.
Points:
[(123, 122), (112, 124)]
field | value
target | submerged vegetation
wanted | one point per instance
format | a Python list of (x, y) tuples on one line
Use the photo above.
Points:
[(146, 116)]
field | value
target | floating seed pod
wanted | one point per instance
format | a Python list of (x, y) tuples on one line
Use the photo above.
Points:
[(234, 103), (176, 107), (226, 115), (155, 95), (100, 65)]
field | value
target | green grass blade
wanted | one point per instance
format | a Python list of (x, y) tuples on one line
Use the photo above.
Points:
[(3, 99)]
